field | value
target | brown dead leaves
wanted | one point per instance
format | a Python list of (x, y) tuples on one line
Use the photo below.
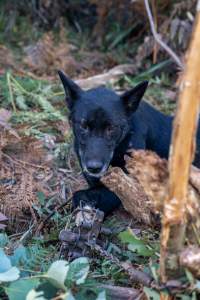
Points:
[(6, 59), (46, 56), (24, 170)]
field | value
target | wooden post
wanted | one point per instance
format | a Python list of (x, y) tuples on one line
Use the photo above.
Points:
[(181, 156)]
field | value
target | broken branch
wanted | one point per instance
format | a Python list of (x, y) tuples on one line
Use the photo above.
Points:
[(158, 38), (111, 76)]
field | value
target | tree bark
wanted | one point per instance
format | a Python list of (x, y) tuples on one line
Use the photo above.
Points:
[(182, 153)]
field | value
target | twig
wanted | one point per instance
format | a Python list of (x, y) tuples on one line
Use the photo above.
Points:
[(134, 274), (22, 162), (10, 92), (9, 128), (26, 234), (155, 48), (43, 223), (158, 38)]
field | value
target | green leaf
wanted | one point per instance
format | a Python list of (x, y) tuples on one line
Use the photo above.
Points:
[(5, 263), (101, 296), (148, 74), (197, 285), (21, 102), (3, 240), (11, 275), (7, 272), (141, 250), (194, 296), (34, 295), (189, 276), (41, 197), (78, 271), (151, 294), (45, 104), (57, 273), (19, 256), (154, 271), (129, 237), (49, 290), (20, 288), (121, 36), (185, 297), (135, 244)]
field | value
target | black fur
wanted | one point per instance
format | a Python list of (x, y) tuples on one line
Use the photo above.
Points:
[(105, 127)]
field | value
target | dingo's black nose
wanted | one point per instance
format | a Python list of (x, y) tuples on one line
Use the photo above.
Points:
[(94, 166)]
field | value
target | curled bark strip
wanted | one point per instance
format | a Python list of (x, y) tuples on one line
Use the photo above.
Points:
[(190, 259), (131, 193), (195, 178)]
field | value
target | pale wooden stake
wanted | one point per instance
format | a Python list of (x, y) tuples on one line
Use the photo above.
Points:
[(181, 156)]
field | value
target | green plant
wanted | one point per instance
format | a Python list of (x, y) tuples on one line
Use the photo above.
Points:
[(34, 103), (61, 278)]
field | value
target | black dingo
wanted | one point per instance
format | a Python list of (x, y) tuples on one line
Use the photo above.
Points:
[(105, 127)]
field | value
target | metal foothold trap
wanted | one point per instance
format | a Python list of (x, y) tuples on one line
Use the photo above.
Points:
[(84, 233)]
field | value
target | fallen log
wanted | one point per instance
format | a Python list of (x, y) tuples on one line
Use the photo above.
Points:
[(143, 190), (111, 77)]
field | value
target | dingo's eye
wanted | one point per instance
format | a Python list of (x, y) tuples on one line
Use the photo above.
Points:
[(84, 125), (110, 129)]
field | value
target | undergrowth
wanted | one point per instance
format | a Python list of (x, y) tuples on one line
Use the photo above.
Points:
[(35, 104), (30, 267)]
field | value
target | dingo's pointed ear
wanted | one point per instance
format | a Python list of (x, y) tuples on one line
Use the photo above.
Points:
[(72, 90), (132, 98)]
